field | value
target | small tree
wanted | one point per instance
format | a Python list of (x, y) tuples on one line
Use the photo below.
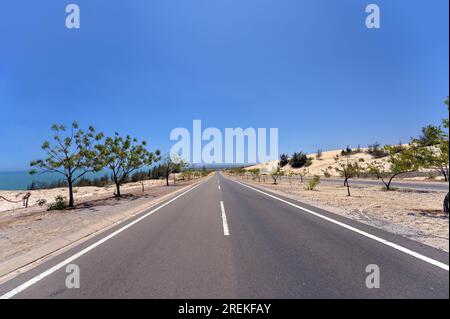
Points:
[(256, 173), (171, 165), (435, 143), (123, 156), (319, 154), (410, 160), (276, 174), (303, 173), (73, 154), (347, 170), (140, 177), (446, 204), (284, 160), (445, 123)]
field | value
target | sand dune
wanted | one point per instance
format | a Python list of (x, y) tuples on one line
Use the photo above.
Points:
[(327, 163)]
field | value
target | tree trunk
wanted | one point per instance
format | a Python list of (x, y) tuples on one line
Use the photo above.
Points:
[(117, 193), (71, 201), (167, 179), (388, 185), (446, 208), (348, 189), (444, 172)]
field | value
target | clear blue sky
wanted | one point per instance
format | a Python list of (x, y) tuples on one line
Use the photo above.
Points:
[(144, 67)]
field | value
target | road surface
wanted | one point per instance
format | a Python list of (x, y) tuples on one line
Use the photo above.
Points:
[(223, 239)]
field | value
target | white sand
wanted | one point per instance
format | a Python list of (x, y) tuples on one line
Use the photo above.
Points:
[(327, 163), (80, 193)]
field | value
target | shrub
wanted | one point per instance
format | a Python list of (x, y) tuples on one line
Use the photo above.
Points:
[(59, 204), (377, 151), (41, 202), (139, 176), (299, 160), (347, 151), (43, 185), (284, 160), (103, 181), (313, 183), (326, 173), (319, 154)]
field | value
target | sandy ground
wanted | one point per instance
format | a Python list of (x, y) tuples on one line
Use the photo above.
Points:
[(80, 194), (25, 229), (414, 214)]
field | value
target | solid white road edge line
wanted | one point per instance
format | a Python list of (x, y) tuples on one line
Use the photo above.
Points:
[(226, 231), (67, 261), (363, 233)]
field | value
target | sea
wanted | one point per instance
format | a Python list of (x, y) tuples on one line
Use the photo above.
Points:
[(20, 180)]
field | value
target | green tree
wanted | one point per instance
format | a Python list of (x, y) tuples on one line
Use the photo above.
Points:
[(276, 174), (409, 160), (123, 156), (284, 160), (348, 170), (171, 165), (445, 120), (299, 160), (434, 146), (72, 154), (303, 173), (256, 173)]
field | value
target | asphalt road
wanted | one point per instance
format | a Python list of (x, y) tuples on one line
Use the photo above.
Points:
[(223, 239)]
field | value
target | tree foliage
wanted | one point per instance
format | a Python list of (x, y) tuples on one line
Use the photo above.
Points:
[(123, 156), (171, 165), (284, 160), (299, 160), (276, 174), (348, 169), (410, 160), (72, 153)]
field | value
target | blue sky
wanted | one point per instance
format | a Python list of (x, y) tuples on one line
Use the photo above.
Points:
[(143, 67)]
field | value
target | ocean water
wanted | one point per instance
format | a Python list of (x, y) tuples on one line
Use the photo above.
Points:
[(20, 180)]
